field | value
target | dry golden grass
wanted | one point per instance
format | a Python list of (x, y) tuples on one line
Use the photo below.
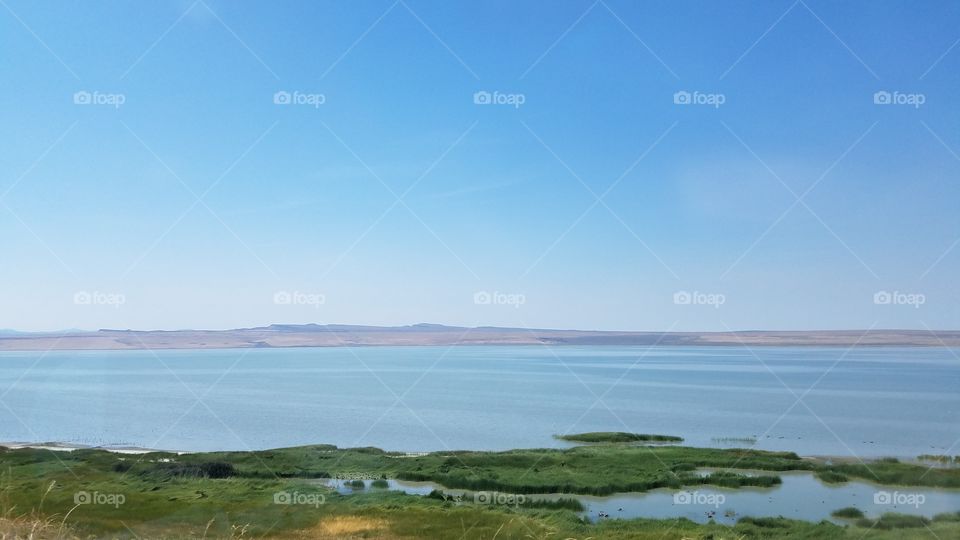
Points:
[(348, 527), (32, 528)]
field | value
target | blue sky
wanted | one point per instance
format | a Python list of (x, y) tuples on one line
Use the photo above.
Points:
[(198, 201)]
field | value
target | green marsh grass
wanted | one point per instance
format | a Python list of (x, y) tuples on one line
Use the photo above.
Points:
[(231, 494), (848, 512)]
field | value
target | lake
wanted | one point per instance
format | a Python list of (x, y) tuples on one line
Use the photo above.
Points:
[(866, 402)]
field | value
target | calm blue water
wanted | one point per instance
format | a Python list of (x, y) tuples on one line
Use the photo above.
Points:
[(801, 496), (873, 402)]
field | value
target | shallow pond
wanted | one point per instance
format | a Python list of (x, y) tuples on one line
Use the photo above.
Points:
[(801, 496)]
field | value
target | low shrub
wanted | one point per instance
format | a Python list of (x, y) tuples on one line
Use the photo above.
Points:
[(848, 512)]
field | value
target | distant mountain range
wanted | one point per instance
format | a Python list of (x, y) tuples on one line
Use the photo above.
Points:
[(333, 335)]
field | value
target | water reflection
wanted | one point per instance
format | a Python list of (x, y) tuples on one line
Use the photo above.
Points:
[(801, 496)]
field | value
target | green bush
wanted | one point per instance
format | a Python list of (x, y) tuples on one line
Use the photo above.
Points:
[(217, 469), (207, 469)]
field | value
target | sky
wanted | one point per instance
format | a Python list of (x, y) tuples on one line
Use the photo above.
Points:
[(579, 164)]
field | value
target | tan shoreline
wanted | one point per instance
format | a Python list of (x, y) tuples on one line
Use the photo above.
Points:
[(284, 336)]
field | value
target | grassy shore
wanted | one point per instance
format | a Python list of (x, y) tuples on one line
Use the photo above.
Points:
[(274, 493)]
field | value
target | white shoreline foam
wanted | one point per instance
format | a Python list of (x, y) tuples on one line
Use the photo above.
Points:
[(70, 447)]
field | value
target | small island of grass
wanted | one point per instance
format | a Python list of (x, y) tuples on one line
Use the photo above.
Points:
[(618, 437), (848, 512)]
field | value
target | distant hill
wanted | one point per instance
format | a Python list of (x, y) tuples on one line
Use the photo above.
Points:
[(333, 335)]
